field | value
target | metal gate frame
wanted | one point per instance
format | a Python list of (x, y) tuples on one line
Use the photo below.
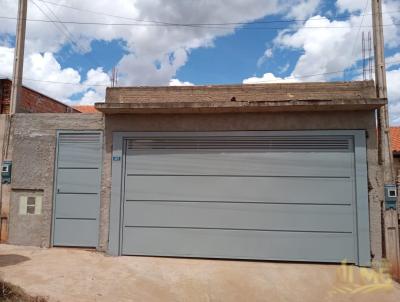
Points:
[(53, 211), (361, 206)]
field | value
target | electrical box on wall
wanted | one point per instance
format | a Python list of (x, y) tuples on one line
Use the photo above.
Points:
[(6, 172), (390, 197)]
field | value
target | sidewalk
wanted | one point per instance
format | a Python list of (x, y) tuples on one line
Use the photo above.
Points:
[(78, 275)]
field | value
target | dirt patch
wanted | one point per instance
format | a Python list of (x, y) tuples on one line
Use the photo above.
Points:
[(12, 293), (12, 259)]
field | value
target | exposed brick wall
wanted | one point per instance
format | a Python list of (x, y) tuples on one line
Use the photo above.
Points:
[(32, 101), (5, 87)]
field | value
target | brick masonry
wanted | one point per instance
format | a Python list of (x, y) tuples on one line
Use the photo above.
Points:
[(32, 101)]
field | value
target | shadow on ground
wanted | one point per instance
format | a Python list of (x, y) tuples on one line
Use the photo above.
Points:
[(12, 259)]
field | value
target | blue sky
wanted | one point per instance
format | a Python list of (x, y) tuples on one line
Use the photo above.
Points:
[(72, 62)]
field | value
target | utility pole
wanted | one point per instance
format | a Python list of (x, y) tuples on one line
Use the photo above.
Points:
[(5, 189), (19, 56), (390, 214)]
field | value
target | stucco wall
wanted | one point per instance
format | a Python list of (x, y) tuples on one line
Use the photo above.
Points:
[(34, 145)]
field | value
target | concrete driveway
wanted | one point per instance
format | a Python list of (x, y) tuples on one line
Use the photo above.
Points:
[(78, 275)]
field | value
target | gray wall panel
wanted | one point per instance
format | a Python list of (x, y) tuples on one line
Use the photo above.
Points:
[(241, 189), (326, 218), (294, 246)]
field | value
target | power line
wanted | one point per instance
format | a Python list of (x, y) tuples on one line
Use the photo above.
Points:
[(65, 32), (359, 28), (54, 23), (290, 77), (190, 26)]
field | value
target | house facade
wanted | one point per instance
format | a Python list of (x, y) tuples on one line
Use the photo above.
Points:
[(284, 172)]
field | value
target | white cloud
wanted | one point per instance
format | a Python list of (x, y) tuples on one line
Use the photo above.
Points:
[(177, 82), (284, 68), (325, 51), (169, 46), (6, 61), (351, 5), (303, 9), (393, 60), (44, 73), (90, 97), (267, 55), (393, 81), (269, 78)]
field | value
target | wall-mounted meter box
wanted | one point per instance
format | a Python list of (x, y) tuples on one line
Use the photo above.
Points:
[(390, 197), (6, 172)]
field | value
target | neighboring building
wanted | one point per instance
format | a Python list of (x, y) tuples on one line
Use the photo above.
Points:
[(86, 108), (32, 101), (270, 172)]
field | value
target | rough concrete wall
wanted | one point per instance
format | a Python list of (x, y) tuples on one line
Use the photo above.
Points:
[(4, 189), (243, 93), (34, 146), (253, 121), (3, 129)]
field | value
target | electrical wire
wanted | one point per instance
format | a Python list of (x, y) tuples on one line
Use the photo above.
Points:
[(65, 32), (290, 77), (190, 24), (359, 28)]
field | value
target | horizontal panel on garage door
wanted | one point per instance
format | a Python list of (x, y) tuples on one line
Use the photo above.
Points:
[(177, 162), (241, 189), (295, 246), (324, 218)]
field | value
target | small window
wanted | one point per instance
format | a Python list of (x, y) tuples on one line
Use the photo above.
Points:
[(4, 169), (31, 205)]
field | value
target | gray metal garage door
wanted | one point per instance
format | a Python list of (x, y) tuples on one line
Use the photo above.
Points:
[(77, 192), (240, 196)]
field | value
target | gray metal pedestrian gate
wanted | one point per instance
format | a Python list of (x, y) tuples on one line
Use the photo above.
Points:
[(296, 196), (77, 189)]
